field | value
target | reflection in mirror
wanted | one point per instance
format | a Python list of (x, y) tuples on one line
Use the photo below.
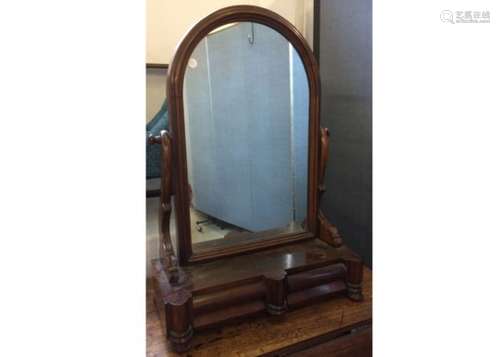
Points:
[(246, 109)]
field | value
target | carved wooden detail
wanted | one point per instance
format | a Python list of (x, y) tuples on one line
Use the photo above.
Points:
[(167, 254), (327, 231), (323, 159)]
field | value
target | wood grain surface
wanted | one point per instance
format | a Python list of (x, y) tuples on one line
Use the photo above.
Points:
[(281, 335)]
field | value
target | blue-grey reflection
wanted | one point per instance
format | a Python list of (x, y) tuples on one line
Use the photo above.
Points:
[(246, 101)]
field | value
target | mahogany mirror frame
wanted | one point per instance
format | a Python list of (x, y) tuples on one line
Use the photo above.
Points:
[(175, 83)]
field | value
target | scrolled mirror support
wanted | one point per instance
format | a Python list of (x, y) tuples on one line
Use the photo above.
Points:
[(167, 254), (327, 231), (323, 159)]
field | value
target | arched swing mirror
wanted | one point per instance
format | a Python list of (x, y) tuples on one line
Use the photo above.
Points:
[(245, 104), (245, 162)]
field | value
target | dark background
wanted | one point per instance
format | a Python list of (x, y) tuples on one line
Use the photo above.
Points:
[(343, 47)]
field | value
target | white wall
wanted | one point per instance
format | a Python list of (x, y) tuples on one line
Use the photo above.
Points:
[(156, 82), (168, 20)]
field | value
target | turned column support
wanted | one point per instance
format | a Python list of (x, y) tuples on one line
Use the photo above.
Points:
[(354, 278), (167, 255), (276, 288), (179, 315)]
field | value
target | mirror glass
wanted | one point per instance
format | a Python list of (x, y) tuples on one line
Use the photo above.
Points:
[(246, 111)]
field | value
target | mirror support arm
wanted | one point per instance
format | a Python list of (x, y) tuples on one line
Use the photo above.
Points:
[(327, 231), (176, 296), (323, 159), (167, 255)]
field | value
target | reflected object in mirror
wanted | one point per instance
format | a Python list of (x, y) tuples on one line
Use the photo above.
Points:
[(246, 108)]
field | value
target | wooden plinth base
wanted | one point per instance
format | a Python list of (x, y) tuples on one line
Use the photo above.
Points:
[(271, 281)]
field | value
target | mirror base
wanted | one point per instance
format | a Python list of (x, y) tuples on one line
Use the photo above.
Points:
[(235, 288)]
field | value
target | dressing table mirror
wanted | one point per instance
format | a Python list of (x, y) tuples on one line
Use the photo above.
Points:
[(243, 166)]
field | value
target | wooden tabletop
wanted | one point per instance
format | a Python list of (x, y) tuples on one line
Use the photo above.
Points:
[(263, 335)]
